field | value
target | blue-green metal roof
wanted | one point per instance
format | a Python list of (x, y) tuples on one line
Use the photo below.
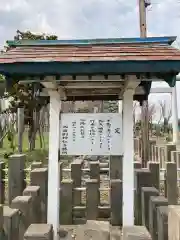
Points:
[(165, 40), (152, 56)]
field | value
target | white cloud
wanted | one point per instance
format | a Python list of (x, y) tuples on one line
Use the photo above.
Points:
[(88, 18)]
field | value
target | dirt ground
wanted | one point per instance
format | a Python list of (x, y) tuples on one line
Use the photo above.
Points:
[(71, 233)]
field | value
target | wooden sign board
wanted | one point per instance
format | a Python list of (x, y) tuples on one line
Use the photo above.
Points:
[(91, 134)]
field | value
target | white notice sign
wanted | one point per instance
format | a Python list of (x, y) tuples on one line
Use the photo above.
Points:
[(91, 134)]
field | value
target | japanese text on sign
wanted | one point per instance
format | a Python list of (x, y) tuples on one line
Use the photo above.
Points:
[(64, 139), (91, 134)]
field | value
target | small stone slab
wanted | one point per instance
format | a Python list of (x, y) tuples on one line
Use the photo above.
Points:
[(146, 193), (11, 223), (39, 232), (136, 233), (154, 202), (1, 221)]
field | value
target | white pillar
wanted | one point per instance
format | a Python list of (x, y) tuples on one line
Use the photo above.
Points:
[(175, 116), (120, 106), (120, 110), (128, 160), (53, 169)]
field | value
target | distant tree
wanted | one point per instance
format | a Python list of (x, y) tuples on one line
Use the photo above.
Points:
[(151, 113), (27, 95), (166, 114), (110, 106)]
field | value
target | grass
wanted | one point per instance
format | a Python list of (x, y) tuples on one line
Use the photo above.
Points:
[(38, 154)]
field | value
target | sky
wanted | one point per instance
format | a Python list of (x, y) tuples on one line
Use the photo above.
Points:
[(90, 19)]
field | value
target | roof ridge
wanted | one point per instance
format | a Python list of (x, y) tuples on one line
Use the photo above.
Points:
[(102, 41)]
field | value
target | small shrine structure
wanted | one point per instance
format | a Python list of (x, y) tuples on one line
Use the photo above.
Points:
[(93, 69)]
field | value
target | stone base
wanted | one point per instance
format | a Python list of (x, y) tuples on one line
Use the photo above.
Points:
[(136, 233), (95, 230)]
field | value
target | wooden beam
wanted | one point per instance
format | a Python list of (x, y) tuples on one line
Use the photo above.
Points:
[(79, 92), (59, 92), (92, 78), (93, 85)]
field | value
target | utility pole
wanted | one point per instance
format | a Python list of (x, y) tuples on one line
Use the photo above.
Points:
[(142, 18), (143, 4)]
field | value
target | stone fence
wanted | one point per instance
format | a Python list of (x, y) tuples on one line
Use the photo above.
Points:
[(157, 212), (160, 152), (27, 204), (27, 209), (23, 196)]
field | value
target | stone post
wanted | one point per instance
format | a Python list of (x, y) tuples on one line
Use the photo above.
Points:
[(24, 204), (66, 202), (11, 223), (146, 193), (174, 222), (116, 202), (156, 153), (162, 157), (153, 153), (116, 167), (171, 190), (35, 165), (136, 145), (76, 174), (61, 171), (140, 147), (95, 171), (92, 199), (178, 159), (174, 155), (142, 179), (16, 176), (162, 222), (1, 222), (154, 202), (39, 232), (152, 142), (20, 126), (39, 177), (137, 165), (2, 183), (155, 174), (34, 192), (168, 149)]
